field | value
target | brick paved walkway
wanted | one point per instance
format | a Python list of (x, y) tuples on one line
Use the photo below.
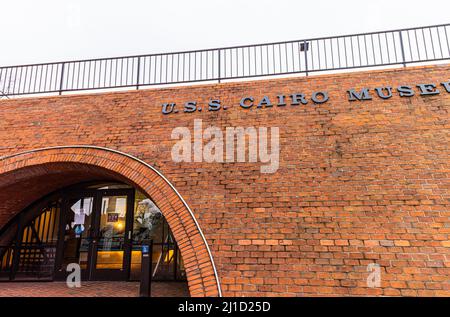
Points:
[(90, 289)]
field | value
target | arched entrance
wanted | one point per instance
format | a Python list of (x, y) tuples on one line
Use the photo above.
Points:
[(26, 177), (99, 226)]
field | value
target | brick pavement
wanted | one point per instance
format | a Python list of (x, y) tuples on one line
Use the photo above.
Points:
[(90, 289)]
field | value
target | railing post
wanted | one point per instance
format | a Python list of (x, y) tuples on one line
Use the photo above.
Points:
[(305, 48), (138, 70), (403, 48), (219, 51), (62, 77)]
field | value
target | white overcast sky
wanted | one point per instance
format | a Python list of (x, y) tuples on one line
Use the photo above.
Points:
[(56, 30)]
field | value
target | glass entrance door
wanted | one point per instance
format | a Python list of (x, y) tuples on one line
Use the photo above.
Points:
[(95, 233), (112, 242), (75, 234)]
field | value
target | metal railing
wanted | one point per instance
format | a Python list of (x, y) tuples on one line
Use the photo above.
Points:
[(31, 261), (376, 49)]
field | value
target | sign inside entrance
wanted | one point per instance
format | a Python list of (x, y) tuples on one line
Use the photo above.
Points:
[(113, 217), (79, 217), (79, 230)]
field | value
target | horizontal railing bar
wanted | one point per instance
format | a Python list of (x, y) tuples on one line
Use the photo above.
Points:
[(226, 78)]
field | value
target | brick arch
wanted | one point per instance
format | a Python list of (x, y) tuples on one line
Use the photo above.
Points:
[(200, 268)]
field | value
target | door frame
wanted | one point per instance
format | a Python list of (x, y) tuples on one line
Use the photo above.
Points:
[(92, 273)]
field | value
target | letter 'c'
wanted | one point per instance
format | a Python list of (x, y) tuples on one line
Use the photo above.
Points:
[(243, 102)]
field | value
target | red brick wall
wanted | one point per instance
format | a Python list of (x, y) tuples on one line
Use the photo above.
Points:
[(358, 183)]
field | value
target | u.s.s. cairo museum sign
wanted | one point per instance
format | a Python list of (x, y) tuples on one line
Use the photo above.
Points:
[(317, 97)]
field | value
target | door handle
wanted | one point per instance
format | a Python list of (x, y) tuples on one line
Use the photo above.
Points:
[(129, 235)]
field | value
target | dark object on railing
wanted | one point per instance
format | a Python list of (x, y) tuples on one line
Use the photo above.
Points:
[(386, 48), (145, 288)]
